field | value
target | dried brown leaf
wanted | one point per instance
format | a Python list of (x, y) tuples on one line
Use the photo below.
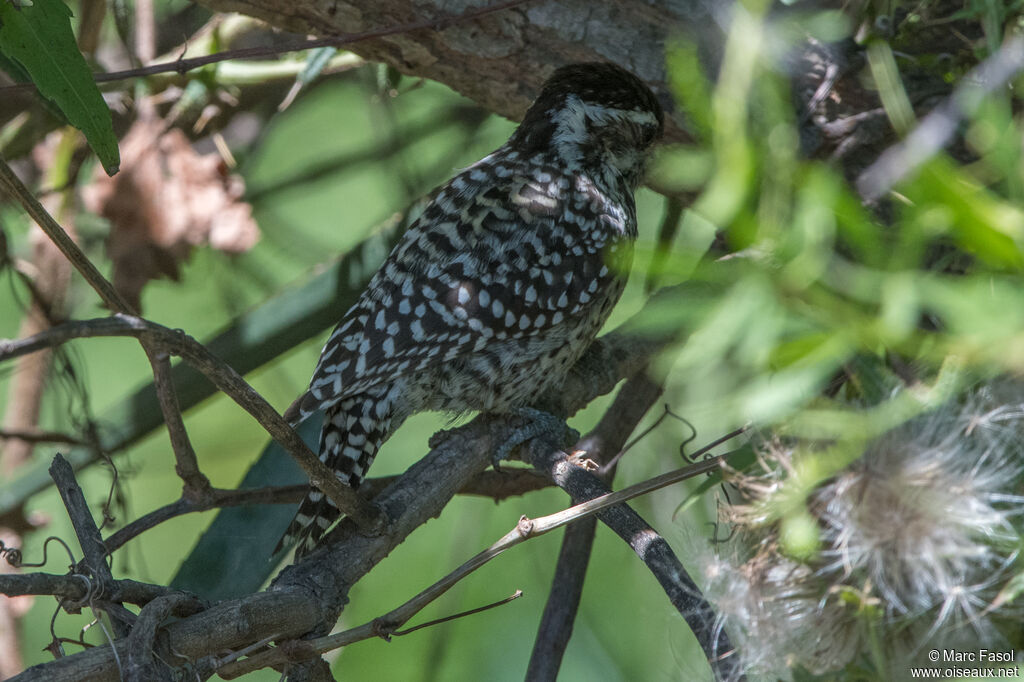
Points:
[(166, 200)]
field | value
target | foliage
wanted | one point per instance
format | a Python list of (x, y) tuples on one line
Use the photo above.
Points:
[(835, 326), (36, 36)]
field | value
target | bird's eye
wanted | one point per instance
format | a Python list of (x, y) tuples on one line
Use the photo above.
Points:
[(647, 134)]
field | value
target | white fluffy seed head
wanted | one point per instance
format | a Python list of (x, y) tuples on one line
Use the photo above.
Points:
[(918, 536)]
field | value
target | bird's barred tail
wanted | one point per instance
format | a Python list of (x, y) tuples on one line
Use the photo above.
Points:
[(352, 433)]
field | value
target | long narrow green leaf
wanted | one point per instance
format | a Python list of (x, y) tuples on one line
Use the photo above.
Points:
[(234, 556), (39, 38)]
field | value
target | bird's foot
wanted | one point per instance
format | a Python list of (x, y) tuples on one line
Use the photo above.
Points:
[(540, 425)]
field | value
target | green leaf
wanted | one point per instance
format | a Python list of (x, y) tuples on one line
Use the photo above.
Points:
[(233, 557), (39, 38)]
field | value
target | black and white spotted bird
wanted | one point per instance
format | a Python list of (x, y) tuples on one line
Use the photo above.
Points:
[(498, 287)]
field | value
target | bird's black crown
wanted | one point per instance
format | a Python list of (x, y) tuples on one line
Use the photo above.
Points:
[(593, 114)]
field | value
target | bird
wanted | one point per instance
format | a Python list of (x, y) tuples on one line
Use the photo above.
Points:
[(497, 288)]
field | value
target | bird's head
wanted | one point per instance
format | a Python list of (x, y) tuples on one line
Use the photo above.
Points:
[(594, 115)]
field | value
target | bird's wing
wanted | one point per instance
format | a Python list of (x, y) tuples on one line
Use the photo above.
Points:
[(482, 264)]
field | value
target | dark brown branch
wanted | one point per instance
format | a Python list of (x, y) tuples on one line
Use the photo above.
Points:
[(652, 549), (224, 378), (186, 465), (226, 626), (635, 398), (491, 484), (212, 499), (563, 602), (94, 561), (140, 664), (182, 66), (10, 183), (77, 588), (41, 436)]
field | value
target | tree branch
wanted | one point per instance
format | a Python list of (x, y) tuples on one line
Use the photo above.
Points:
[(75, 587), (140, 664), (214, 498), (94, 563), (526, 529), (183, 65), (196, 484), (224, 378), (14, 187), (41, 436), (634, 400), (491, 484), (652, 549)]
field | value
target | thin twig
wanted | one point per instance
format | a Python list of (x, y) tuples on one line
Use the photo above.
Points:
[(94, 562), (182, 66), (41, 436), (186, 464), (224, 378), (17, 190), (214, 498), (491, 484), (462, 614)]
